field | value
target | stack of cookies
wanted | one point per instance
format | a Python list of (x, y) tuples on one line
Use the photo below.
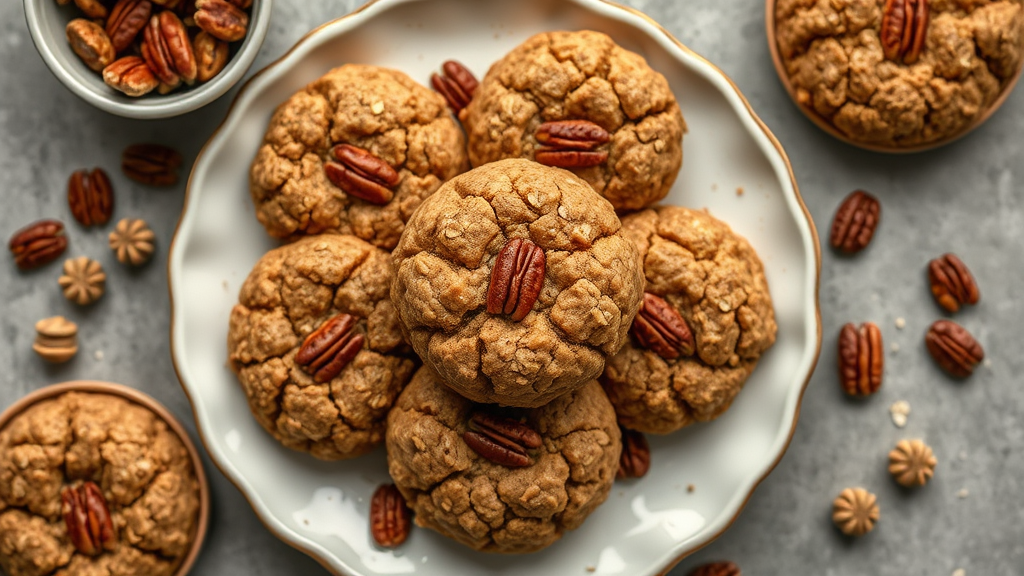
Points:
[(494, 327)]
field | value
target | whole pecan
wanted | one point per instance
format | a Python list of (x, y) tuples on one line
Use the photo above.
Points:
[(722, 568), (516, 279), (152, 164), (501, 440), (90, 42), (952, 283), (130, 75), (211, 55), (361, 174), (91, 197), (329, 348), (390, 520), (92, 8), (953, 348), (457, 85), (855, 222), (127, 19), (571, 143), (662, 329), (38, 243), (222, 19), (87, 519), (861, 359), (635, 460), (167, 49), (904, 29)]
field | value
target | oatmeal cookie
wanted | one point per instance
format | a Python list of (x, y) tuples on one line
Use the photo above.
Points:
[(458, 248), (333, 405), (491, 507), (970, 50), (557, 76), (379, 110), (714, 280), (141, 467)]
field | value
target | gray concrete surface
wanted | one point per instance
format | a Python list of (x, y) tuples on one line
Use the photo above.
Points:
[(964, 197)]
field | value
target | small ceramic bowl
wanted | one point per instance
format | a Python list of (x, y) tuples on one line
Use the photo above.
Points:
[(47, 20), (827, 126), (136, 397)]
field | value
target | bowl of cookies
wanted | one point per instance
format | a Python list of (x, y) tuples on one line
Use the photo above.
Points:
[(479, 293), (148, 58)]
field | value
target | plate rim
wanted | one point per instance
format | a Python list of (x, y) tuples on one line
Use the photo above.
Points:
[(610, 4)]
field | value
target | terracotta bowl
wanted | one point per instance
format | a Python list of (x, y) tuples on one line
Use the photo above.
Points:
[(824, 124), (153, 406)]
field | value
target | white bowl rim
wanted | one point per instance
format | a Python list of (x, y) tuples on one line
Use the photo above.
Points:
[(742, 108), (147, 108)]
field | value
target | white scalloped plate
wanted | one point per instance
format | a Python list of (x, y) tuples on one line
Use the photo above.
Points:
[(647, 525)]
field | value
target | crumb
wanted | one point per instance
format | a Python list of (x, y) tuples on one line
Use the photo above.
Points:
[(224, 283), (959, 572), (98, 355), (895, 347), (591, 568), (899, 411), (987, 363), (901, 323), (876, 296), (305, 521), (963, 493), (739, 191), (714, 187), (963, 455), (690, 488)]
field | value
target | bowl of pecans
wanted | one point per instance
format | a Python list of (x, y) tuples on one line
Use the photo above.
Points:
[(148, 58)]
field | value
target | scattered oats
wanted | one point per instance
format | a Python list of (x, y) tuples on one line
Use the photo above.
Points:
[(963, 493), (377, 107), (901, 323), (690, 488), (899, 411), (895, 347), (959, 572), (98, 355), (563, 211), (739, 191)]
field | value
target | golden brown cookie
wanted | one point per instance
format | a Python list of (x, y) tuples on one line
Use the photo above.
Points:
[(141, 467), (514, 283), (384, 112), (571, 76), (879, 82), (316, 345), (489, 506), (707, 318)]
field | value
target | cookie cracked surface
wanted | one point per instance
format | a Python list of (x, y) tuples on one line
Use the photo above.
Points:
[(290, 292), (487, 506), (715, 280), (140, 465), (443, 265), (834, 58), (377, 109), (582, 76)]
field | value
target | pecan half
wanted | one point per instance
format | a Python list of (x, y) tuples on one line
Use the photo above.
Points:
[(861, 359), (329, 348), (167, 49), (38, 243), (904, 29), (501, 440), (91, 197), (130, 75), (222, 19), (635, 460), (516, 279), (855, 222), (662, 329), (90, 42), (87, 518), (953, 348), (457, 85), (952, 283), (723, 568), (211, 55), (571, 143), (390, 519), (361, 174), (92, 8), (127, 19), (151, 164)]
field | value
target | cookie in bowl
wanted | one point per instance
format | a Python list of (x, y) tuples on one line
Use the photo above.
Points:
[(706, 319), (354, 152), (897, 74), (316, 346), (91, 483), (578, 100), (514, 283), (501, 480)]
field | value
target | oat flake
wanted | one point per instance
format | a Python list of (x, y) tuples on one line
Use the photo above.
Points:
[(899, 411)]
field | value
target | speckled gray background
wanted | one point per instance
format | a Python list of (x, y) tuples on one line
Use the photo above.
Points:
[(964, 197)]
